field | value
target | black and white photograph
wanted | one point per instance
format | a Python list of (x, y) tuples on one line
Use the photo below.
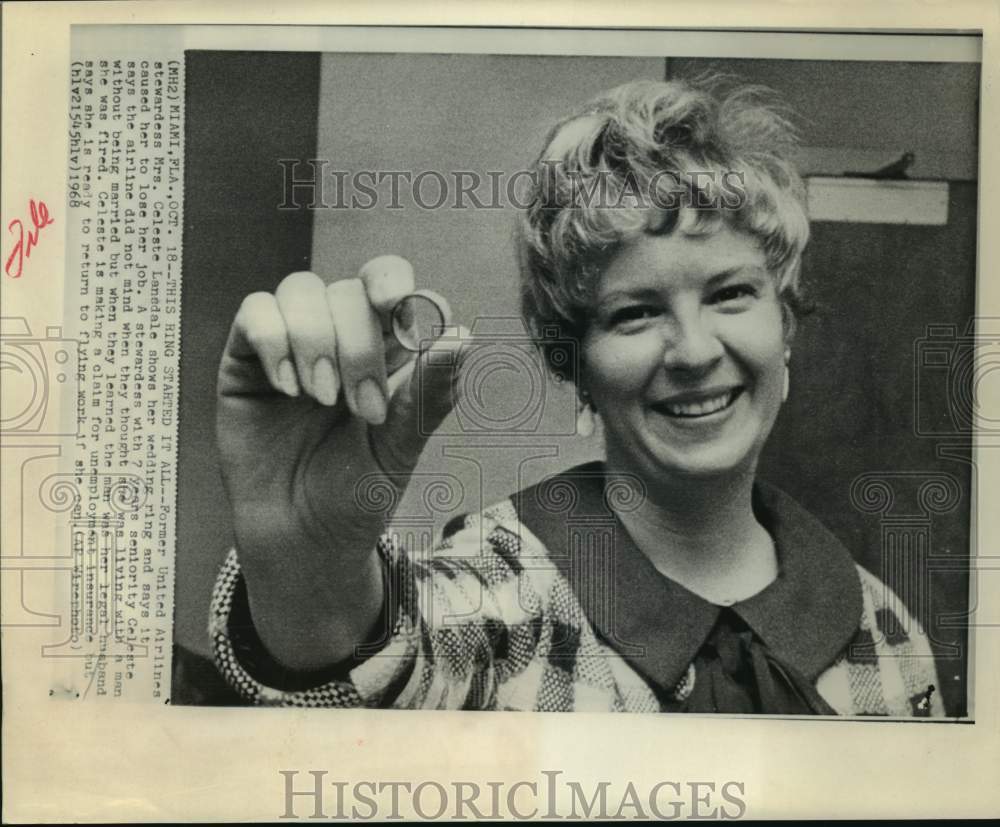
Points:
[(381, 383), (577, 383)]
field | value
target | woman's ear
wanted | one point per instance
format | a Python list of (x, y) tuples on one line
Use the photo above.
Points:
[(788, 322)]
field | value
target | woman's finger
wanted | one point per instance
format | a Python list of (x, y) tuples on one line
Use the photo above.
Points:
[(301, 298), (360, 351), (387, 280), (258, 332)]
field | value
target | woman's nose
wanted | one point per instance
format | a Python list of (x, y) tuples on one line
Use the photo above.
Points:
[(692, 344)]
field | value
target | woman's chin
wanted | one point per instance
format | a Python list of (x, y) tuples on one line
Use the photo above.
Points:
[(700, 470), (715, 459)]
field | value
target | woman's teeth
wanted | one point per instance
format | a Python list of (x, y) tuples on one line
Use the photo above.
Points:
[(700, 408)]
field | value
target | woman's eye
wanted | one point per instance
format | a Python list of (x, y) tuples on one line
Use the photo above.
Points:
[(734, 294), (630, 316)]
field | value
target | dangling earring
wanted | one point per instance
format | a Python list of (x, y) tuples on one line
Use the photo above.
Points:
[(585, 415), (784, 392)]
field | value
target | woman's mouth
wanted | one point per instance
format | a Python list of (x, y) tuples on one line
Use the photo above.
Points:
[(696, 406)]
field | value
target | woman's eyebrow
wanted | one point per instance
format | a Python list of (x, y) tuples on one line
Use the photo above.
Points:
[(740, 270), (633, 293)]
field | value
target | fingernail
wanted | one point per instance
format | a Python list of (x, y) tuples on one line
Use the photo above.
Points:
[(370, 402), (325, 384), (286, 378)]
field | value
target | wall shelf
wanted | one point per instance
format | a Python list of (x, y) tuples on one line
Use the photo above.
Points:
[(872, 201)]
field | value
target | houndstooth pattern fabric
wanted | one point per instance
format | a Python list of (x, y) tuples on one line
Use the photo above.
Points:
[(487, 622)]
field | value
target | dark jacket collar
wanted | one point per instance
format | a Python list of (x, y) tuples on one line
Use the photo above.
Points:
[(805, 617)]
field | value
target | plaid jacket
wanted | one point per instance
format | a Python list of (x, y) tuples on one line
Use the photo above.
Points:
[(498, 618)]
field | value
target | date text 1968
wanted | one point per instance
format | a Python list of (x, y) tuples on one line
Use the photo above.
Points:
[(25, 239)]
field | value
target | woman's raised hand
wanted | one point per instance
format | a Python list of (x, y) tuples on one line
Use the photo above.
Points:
[(314, 394)]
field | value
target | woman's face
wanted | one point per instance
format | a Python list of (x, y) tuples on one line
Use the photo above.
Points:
[(685, 356)]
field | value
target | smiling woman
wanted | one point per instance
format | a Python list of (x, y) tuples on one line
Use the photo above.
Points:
[(686, 355), (665, 578)]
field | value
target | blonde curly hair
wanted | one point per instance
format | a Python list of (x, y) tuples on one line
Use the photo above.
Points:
[(655, 157)]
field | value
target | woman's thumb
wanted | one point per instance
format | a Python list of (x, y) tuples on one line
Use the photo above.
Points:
[(428, 389)]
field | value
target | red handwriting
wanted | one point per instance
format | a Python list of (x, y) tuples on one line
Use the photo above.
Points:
[(26, 240)]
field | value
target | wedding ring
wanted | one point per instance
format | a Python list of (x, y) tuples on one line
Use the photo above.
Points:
[(419, 318)]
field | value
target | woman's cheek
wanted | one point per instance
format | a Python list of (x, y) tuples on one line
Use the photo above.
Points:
[(759, 335), (621, 365)]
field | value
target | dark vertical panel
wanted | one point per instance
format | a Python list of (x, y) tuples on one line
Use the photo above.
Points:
[(851, 411), (244, 112)]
